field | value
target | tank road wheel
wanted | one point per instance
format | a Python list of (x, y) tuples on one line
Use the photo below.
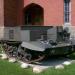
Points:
[(27, 57), (20, 53), (30, 58)]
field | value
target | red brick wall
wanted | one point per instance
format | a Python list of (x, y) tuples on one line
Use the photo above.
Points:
[(73, 12), (53, 14), (10, 12), (53, 11), (1, 12), (20, 8)]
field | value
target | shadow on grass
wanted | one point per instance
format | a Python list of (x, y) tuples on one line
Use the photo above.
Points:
[(72, 56)]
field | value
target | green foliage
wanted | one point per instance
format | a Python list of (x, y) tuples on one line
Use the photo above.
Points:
[(7, 68)]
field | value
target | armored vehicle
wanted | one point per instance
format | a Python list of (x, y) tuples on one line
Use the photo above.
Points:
[(41, 42)]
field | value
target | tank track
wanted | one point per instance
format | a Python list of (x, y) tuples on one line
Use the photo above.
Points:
[(15, 50)]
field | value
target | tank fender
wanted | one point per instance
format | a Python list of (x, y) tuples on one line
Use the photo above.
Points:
[(33, 46)]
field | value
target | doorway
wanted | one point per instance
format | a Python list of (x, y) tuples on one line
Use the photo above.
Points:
[(33, 15)]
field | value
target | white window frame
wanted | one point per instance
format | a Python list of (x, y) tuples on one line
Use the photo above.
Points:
[(67, 23)]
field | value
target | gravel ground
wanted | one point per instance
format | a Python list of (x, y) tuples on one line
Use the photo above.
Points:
[(53, 62)]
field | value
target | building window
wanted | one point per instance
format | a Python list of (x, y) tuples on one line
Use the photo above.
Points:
[(67, 6), (11, 34)]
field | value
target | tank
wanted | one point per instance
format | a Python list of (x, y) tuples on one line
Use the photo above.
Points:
[(41, 43)]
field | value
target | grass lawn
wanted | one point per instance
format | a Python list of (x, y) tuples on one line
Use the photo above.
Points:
[(7, 68)]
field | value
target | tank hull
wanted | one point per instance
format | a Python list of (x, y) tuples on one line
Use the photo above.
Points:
[(39, 43)]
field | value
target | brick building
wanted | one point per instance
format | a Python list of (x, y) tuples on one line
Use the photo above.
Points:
[(14, 14)]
